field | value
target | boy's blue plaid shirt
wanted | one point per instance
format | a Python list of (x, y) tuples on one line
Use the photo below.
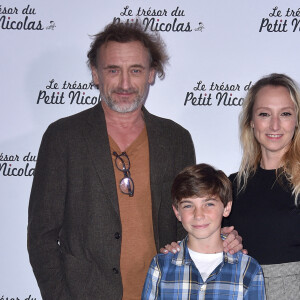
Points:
[(175, 276)]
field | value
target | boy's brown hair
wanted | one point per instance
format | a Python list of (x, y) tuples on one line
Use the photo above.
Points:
[(199, 181)]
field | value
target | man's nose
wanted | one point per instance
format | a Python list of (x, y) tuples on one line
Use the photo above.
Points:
[(125, 80)]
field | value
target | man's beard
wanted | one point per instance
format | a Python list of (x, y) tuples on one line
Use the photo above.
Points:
[(124, 107)]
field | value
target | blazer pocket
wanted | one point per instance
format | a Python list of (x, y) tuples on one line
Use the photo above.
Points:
[(80, 276)]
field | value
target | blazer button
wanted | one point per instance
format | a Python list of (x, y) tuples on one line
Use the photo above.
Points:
[(117, 235), (115, 270)]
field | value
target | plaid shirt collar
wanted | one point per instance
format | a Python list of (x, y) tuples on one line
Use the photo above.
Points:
[(183, 257)]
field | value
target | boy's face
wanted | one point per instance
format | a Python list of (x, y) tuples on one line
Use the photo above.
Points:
[(202, 217)]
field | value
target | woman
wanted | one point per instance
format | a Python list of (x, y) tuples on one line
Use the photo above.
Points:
[(266, 189)]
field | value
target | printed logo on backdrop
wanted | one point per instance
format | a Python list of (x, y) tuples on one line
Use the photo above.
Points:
[(159, 19), (17, 164), (17, 298), (281, 20), (67, 93), (217, 94), (23, 18)]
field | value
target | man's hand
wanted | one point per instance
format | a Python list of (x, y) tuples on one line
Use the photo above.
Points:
[(233, 242), (174, 247)]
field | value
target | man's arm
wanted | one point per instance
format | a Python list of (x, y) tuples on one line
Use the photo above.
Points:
[(45, 216)]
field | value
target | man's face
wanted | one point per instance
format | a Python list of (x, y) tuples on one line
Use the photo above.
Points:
[(123, 75)]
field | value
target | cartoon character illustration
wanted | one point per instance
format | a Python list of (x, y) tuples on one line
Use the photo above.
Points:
[(200, 27), (51, 26)]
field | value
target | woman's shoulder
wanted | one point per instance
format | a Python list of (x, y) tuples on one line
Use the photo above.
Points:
[(232, 177)]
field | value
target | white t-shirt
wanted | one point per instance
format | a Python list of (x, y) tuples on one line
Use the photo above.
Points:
[(206, 263)]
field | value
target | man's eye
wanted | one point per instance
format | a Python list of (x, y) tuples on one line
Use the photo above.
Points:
[(209, 204), (136, 71), (112, 71)]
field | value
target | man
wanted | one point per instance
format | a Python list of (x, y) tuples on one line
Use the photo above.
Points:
[(100, 206)]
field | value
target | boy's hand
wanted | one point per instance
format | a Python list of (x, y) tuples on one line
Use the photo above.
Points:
[(174, 247), (233, 242)]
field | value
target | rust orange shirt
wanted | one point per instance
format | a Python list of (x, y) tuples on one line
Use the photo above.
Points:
[(138, 245)]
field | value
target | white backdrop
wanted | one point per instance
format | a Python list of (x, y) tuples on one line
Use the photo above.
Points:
[(217, 49)]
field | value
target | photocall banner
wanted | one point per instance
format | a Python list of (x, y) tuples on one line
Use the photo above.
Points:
[(217, 50)]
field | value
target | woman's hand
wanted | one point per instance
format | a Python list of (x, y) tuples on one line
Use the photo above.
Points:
[(233, 242)]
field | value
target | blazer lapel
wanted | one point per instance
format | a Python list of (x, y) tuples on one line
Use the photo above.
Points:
[(158, 164), (98, 145)]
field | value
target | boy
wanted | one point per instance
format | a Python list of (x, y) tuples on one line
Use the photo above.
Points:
[(200, 270)]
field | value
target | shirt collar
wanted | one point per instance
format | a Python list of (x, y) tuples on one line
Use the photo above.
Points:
[(183, 257)]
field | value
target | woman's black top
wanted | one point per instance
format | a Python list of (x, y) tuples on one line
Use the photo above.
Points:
[(266, 217)]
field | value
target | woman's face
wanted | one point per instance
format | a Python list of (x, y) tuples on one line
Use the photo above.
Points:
[(273, 120)]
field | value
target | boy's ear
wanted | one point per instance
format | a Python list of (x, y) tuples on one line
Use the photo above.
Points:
[(176, 212), (227, 209)]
